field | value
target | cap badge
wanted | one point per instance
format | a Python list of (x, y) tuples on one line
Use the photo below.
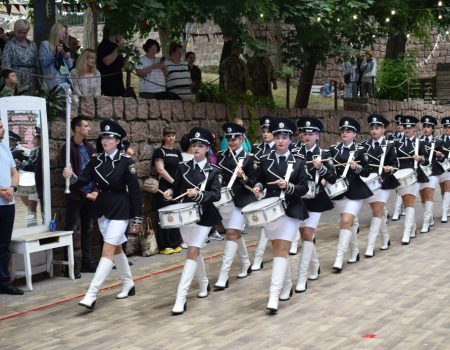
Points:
[(281, 125), (197, 134), (346, 123), (229, 130), (407, 120), (107, 128), (308, 123), (266, 121), (374, 119)]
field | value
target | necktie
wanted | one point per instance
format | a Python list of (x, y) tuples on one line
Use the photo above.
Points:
[(197, 174), (282, 165), (377, 149), (108, 165), (345, 153), (266, 148), (309, 155)]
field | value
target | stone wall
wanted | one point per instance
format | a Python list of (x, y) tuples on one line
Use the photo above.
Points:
[(144, 121)]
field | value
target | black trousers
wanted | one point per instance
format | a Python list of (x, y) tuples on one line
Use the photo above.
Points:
[(7, 214), (81, 211), (166, 238)]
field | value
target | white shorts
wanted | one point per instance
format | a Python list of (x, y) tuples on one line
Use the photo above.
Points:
[(194, 235), (232, 217), (113, 231), (444, 177), (348, 206), (312, 221), (285, 228), (412, 189), (433, 183), (379, 196)]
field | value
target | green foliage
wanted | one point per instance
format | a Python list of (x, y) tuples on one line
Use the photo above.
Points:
[(55, 97), (394, 77)]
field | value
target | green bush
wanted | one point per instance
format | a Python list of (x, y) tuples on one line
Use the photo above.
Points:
[(394, 77)]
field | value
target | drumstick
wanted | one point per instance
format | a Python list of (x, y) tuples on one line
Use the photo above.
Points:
[(180, 196), (405, 157), (237, 163), (382, 166), (322, 160), (344, 164)]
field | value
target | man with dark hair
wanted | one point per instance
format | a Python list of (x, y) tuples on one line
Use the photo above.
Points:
[(80, 199), (196, 73), (178, 79)]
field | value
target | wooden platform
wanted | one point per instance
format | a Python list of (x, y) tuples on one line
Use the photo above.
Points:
[(397, 300)]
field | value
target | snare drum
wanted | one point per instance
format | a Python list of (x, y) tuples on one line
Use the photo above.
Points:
[(427, 170), (311, 190), (406, 177), (336, 189), (27, 183), (177, 215), (373, 181), (263, 212), (226, 196), (445, 164)]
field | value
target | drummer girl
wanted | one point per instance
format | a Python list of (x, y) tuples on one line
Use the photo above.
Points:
[(410, 153), (317, 169), (274, 170), (444, 179), (197, 182), (238, 171), (350, 163), (382, 161), (427, 188), (118, 201)]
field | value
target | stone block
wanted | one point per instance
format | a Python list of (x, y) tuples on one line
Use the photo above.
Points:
[(155, 112), (166, 109), (155, 128), (118, 110), (177, 111), (87, 106), (143, 108), (188, 109), (200, 110), (130, 108), (57, 130), (210, 111), (138, 131), (104, 107), (143, 169), (221, 111), (145, 151)]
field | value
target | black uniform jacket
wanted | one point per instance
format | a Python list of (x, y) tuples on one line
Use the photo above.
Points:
[(390, 159), (258, 150), (404, 150), (438, 143), (445, 147), (321, 202), (357, 189), (297, 185), (185, 179), (119, 196), (226, 163)]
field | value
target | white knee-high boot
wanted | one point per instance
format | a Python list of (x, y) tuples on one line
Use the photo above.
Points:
[(315, 266), (374, 229), (103, 269), (294, 245), (259, 252), (427, 216), (279, 268), (124, 272), (445, 205), (202, 278), (409, 225), (286, 290), (183, 287), (344, 240), (397, 208), (354, 246), (243, 257), (228, 255), (385, 240), (307, 251)]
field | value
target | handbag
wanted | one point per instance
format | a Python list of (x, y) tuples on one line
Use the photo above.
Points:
[(147, 240)]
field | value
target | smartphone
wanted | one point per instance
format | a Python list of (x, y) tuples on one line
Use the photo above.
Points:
[(162, 59)]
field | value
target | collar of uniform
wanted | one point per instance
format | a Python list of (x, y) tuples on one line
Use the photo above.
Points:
[(270, 144), (201, 164), (283, 155), (112, 155), (380, 141), (238, 151), (311, 149), (347, 146)]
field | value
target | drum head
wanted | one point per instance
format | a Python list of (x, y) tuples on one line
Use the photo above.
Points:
[(260, 204), (399, 174), (176, 207)]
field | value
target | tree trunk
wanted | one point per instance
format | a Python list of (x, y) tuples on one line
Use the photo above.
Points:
[(306, 79), (396, 45), (276, 42), (90, 29), (44, 18), (164, 37), (226, 52)]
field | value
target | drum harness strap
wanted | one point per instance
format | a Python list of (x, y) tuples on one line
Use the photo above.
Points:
[(383, 156), (416, 152), (350, 158), (290, 167), (233, 178), (316, 177), (430, 158)]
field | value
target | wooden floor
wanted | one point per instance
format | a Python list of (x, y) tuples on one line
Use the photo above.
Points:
[(400, 299)]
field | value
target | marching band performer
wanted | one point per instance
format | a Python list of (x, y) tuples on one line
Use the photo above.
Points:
[(350, 163), (118, 201), (259, 150), (197, 181), (433, 146), (382, 161), (283, 175), (398, 134), (238, 173), (317, 168), (444, 178), (410, 154)]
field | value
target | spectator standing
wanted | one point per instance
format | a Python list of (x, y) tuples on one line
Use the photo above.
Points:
[(9, 179), (10, 83), (196, 73), (234, 70), (21, 55), (178, 78), (262, 75), (349, 78), (86, 80), (79, 202), (54, 55), (152, 72), (368, 72), (110, 63), (74, 46)]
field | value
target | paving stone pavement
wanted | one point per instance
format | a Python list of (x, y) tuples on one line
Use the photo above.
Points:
[(400, 299)]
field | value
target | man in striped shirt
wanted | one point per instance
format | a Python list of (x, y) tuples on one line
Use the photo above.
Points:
[(178, 80)]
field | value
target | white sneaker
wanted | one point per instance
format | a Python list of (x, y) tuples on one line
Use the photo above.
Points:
[(216, 236), (184, 245)]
